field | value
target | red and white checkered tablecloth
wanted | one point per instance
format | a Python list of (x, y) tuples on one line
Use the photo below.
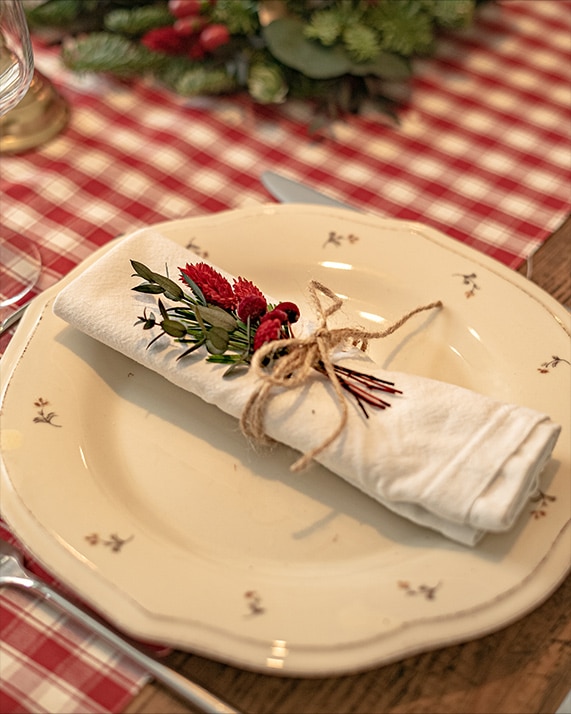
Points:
[(51, 665), (483, 153)]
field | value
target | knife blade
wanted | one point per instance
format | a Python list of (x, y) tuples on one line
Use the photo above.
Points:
[(288, 191), (13, 318)]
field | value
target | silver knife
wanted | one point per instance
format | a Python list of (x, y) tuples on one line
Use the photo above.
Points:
[(12, 319), (287, 191)]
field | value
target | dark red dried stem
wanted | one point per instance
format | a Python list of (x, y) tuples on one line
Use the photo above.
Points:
[(351, 380), (368, 380)]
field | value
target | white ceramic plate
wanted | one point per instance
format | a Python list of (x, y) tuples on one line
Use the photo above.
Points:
[(150, 504)]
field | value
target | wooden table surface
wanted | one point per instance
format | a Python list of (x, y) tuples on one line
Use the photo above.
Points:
[(524, 668)]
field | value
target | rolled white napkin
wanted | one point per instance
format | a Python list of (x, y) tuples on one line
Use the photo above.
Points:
[(441, 456)]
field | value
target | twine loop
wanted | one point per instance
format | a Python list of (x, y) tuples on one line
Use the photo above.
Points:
[(293, 361)]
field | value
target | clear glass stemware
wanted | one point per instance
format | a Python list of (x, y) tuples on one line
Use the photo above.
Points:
[(20, 261), (16, 57)]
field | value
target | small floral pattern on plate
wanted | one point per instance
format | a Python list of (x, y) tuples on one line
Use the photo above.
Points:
[(254, 602), (543, 500), (469, 279), (546, 367), (114, 542), (337, 239), (428, 591), (43, 417)]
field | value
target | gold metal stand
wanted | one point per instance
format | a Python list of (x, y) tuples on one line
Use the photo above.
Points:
[(40, 116)]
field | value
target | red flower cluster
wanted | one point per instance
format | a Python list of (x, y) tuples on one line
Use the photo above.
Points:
[(245, 300), (215, 288), (191, 34)]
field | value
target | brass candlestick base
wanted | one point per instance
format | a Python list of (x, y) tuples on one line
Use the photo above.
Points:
[(40, 115)]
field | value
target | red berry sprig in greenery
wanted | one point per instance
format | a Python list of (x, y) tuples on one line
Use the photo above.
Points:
[(192, 33)]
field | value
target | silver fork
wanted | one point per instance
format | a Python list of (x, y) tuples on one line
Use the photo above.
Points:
[(13, 573)]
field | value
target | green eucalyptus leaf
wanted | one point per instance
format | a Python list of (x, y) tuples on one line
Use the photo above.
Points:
[(142, 270), (286, 41), (217, 340), (162, 308), (172, 290), (217, 317), (174, 328), (148, 288)]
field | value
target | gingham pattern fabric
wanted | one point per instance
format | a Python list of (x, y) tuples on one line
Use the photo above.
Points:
[(49, 664), (483, 153)]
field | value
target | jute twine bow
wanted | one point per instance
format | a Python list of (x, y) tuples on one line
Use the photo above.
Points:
[(297, 359)]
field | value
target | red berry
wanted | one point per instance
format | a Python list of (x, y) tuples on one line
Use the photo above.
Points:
[(189, 25), (214, 36), (291, 310), (186, 8), (276, 314), (195, 51), (164, 39)]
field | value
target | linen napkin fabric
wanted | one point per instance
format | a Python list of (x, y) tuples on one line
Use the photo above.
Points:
[(442, 456)]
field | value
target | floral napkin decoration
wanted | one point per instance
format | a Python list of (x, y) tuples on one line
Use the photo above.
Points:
[(236, 326)]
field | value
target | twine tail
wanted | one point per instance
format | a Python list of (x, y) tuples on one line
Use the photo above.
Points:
[(308, 457), (252, 417)]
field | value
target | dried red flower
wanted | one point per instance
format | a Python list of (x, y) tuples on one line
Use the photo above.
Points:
[(215, 288), (268, 331), (251, 306), (243, 288)]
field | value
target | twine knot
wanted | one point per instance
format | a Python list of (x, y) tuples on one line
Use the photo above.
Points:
[(294, 360)]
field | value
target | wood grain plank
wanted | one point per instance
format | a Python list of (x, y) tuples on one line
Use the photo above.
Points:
[(551, 265)]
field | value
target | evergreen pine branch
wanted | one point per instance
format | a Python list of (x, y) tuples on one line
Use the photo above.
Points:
[(189, 79), (239, 16), (137, 21), (67, 14), (107, 52)]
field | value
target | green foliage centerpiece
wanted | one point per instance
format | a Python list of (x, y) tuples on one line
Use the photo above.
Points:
[(336, 52)]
